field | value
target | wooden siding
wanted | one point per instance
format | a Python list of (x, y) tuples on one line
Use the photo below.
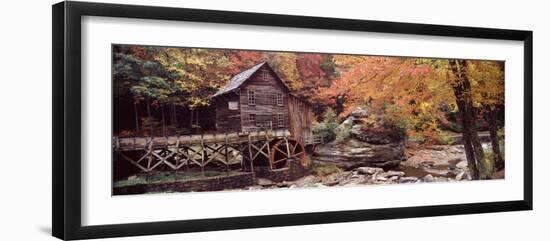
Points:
[(265, 107), (227, 120), (301, 118)]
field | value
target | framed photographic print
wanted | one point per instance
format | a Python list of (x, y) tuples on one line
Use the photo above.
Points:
[(169, 120)]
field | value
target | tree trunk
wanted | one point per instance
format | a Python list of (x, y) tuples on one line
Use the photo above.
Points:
[(136, 115), (163, 122), (463, 95), (171, 111), (175, 115), (197, 120), (497, 154), (149, 116), (191, 120), (478, 148), (467, 139)]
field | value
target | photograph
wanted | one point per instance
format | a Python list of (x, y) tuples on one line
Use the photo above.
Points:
[(244, 120), (191, 119)]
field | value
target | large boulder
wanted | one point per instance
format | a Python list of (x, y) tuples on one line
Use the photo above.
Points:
[(359, 113), (372, 142), (353, 153), (375, 135)]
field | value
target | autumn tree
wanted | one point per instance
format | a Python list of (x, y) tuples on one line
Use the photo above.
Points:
[(243, 59), (488, 95), (135, 72), (285, 65), (416, 93), (198, 73), (462, 88)]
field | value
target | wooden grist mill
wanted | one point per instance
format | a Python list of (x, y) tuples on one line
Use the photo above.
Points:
[(260, 126)]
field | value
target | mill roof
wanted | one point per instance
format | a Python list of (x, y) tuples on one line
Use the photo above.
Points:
[(240, 78)]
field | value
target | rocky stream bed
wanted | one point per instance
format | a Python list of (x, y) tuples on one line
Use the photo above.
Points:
[(438, 163), (376, 152)]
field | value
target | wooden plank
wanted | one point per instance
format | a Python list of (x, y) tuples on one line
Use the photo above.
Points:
[(146, 143)]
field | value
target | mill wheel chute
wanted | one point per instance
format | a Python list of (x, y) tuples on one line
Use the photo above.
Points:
[(285, 149)]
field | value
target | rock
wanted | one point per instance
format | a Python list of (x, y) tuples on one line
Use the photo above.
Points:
[(284, 184), (359, 113), (435, 147), (392, 174), (408, 180), (460, 175), (304, 181), (352, 153), (428, 178), (437, 172), (442, 179), (462, 164), (264, 182), (393, 178), (133, 177), (369, 170), (316, 185), (456, 150), (427, 164), (375, 135), (332, 183), (347, 123), (453, 162), (381, 178), (372, 142)]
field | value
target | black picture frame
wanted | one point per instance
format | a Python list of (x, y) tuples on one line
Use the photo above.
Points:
[(66, 141)]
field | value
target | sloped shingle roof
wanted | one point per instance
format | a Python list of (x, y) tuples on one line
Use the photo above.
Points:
[(238, 79)]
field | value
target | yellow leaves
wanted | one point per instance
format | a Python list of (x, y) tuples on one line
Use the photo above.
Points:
[(285, 66), (195, 101), (412, 90), (425, 107), (487, 79)]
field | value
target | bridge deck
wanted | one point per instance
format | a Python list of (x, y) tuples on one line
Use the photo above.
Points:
[(141, 143)]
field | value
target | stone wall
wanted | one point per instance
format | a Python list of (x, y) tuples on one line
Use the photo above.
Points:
[(218, 183), (294, 171)]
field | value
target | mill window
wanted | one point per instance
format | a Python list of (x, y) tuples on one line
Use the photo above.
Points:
[(251, 98), (280, 120), (279, 99), (233, 105), (265, 75), (252, 118)]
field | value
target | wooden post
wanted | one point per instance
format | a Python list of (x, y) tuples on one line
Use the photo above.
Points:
[(177, 158), (268, 140), (136, 115), (226, 153), (163, 121), (203, 155), (149, 158), (250, 156), (287, 149)]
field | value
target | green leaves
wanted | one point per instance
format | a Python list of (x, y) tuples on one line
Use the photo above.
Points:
[(156, 88)]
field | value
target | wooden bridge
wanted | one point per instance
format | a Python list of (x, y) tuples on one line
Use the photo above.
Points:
[(270, 148)]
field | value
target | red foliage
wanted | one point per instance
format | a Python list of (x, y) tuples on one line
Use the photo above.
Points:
[(309, 66)]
